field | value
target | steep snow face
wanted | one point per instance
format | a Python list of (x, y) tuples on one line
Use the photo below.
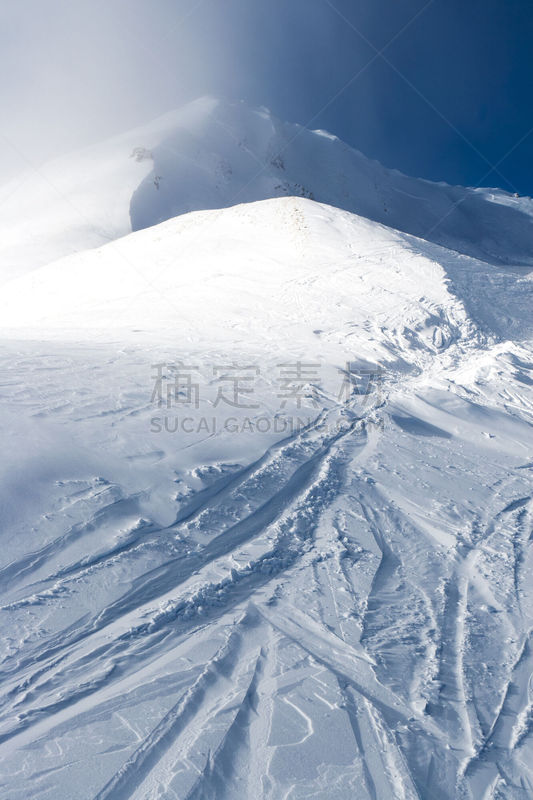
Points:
[(212, 154), (238, 154), (81, 200)]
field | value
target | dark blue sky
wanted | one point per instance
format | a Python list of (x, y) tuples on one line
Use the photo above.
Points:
[(451, 96), (448, 98)]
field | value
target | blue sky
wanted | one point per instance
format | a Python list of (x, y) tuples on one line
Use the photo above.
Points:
[(437, 89)]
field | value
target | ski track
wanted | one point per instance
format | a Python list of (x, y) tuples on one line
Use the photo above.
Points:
[(292, 524)]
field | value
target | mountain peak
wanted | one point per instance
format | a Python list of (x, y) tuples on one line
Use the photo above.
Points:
[(212, 153)]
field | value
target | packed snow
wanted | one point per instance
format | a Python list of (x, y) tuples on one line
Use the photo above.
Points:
[(266, 475)]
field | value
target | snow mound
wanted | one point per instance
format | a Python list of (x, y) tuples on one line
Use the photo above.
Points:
[(252, 275)]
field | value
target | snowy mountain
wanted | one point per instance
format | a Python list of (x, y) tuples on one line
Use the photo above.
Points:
[(212, 154), (266, 476)]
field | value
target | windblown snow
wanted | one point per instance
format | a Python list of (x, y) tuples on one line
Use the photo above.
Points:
[(266, 475)]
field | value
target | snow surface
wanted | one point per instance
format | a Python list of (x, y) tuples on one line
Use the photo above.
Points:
[(327, 596)]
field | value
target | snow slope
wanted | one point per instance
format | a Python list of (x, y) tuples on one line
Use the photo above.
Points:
[(325, 594), (213, 154), (197, 278)]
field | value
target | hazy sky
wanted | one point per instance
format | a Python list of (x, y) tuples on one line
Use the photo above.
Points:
[(447, 99)]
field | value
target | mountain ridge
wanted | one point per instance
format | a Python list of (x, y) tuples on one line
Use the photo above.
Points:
[(212, 154)]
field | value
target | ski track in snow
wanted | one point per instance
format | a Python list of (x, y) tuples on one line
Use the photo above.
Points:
[(291, 589)]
